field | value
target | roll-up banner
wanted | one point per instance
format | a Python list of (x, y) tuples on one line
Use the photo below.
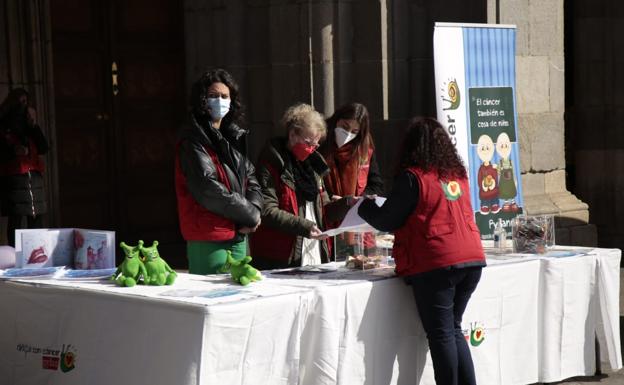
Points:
[(476, 101)]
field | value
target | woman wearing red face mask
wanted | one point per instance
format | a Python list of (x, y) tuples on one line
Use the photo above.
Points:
[(290, 172)]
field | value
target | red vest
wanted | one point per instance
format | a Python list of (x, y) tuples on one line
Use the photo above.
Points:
[(362, 176), (22, 163), (197, 223), (360, 186), (270, 243), (441, 231)]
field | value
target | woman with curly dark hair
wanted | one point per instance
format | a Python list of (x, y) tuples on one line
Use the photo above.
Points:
[(219, 198), (437, 246), (226, 113)]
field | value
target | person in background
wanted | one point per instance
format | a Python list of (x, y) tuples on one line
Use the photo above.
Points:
[(219, 198), (437, 246), (353, 171), (290, 172), (350, 153), (21, 166)]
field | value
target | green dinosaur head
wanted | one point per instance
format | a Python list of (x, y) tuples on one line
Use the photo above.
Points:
[(131, 251), (149, 253)]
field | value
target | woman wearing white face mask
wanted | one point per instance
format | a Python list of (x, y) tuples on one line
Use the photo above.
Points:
[(350, 155), (219, 198)]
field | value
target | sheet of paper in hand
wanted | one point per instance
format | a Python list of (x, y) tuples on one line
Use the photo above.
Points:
[(353, 222)]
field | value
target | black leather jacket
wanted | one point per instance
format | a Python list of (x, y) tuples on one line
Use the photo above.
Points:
[(243, 203)]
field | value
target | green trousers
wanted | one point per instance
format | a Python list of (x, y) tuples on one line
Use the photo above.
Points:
[(208, 257)]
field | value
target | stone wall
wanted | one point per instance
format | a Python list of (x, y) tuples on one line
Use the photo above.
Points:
[(325, 52), (282, 52), (329, 52), (596, 112), (540, 95)]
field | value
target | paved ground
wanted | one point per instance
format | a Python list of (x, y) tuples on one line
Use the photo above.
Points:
[(607, 378)]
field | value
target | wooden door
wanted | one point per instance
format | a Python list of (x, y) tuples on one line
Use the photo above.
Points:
[(116, 135)]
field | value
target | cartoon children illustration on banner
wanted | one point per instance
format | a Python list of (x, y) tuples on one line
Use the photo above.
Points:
[(506, 178), (487, 177), (495, 192)]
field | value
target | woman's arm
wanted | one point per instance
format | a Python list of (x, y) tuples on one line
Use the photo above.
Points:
[(272, 215), (398, 206), (253, 191), (374, 183), (204, 186)]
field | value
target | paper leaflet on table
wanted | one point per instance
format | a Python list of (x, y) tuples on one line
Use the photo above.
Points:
[(353, 222)]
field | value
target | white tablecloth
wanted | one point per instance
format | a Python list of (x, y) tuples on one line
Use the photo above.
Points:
[(539, 317)]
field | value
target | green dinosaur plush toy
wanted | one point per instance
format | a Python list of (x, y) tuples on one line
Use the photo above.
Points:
[(158, 271), (132, 268), (242, 272)]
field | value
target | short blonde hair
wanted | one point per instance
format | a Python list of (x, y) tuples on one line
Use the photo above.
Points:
[(303, 117)]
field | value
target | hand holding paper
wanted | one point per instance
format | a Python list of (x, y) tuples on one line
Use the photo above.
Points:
[(352, 221)]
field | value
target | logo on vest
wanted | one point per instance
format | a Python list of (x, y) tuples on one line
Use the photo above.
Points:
[(452, 190)]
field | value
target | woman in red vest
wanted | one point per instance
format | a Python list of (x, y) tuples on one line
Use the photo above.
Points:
[(291, 171), (219, 199), (21, 167), (437, 246), (350, 153), (353, 171)]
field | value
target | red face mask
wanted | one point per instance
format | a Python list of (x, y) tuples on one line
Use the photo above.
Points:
[(301, 151)]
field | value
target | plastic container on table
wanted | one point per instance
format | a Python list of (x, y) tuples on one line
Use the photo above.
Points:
[(367, 250), (533, 234)]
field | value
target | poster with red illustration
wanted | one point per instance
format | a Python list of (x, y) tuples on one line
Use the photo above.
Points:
[(36, 250), (77, 248), (94, 249)]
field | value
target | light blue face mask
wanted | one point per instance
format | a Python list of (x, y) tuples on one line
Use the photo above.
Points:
[(218, 107)]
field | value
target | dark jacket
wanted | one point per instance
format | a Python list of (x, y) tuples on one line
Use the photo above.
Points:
[(21, 182), (221, 182), (278, 242), (236, 135), (23, 195), (374, 181)]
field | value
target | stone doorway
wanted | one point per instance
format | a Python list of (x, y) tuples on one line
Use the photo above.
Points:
[(118, 69)]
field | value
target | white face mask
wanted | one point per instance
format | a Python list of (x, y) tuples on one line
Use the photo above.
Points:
[(218, 107), (343, 136)]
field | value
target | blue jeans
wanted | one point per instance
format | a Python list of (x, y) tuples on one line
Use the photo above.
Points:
[(441, 298)]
